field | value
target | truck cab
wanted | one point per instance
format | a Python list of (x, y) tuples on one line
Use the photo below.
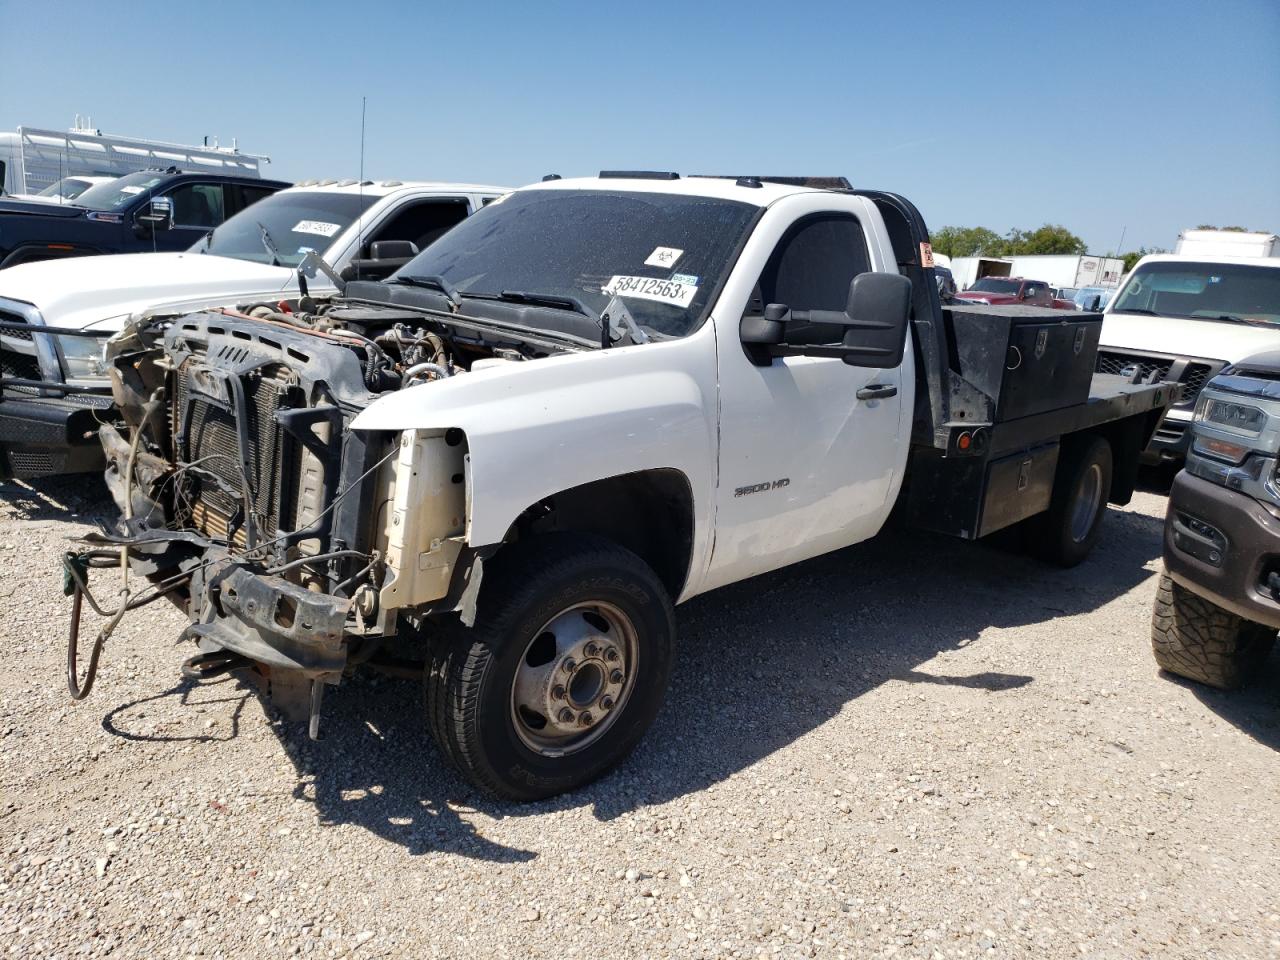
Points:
[(1011, 290), (151, 210), (1183, 318)]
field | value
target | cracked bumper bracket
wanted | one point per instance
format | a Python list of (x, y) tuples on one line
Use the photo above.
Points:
[(272, 621)]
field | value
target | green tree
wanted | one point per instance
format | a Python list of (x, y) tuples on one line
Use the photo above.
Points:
[(1048, 239), (1210, 226), (1133, 256), (967, 242), (981, 242)]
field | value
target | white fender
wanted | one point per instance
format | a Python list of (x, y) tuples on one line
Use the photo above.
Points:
[(535, 428)]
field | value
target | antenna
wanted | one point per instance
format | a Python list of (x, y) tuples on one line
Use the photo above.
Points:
[(360, 188)]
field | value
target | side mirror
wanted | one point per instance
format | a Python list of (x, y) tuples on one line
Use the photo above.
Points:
[(393, 250), (875, 322), (1094, 304), (385, 258), (158, 213)]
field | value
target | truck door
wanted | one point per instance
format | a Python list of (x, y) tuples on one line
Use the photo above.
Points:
[(197, 209), (811, 450), (1036, 293)]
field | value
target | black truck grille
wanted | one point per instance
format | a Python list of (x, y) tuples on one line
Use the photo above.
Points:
[(10, 317), (1127, 364), (1193, 375), (22, 366), (208, 439)]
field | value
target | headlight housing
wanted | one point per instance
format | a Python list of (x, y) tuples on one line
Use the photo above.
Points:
[(1241, 418), (83, 358)]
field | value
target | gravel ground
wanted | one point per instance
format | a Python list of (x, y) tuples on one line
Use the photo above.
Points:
[(916, 748)]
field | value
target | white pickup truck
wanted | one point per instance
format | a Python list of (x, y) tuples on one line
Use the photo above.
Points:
[(1183, 318), (365, 229), (592, 400)]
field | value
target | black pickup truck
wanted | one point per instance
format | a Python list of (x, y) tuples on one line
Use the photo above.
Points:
[(142, 212)]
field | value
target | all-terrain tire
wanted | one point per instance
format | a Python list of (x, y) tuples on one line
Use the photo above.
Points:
[(471, 674), (1197, 639), (1065, 533)]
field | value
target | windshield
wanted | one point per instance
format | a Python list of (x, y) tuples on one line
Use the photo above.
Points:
[(296, 222), (1203, 291), (1086, 296), (664, 255), (118, 193), (68, 188), (996, 285)]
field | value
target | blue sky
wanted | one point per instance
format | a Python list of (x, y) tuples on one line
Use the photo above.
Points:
[(1140, 116)]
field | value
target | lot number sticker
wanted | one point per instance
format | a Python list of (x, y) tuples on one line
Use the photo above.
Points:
[(648, 288), (664, 257), (316, 226)]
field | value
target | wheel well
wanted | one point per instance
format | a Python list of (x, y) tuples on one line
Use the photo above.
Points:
[(1128, 438), (649, 512), (35, 253)]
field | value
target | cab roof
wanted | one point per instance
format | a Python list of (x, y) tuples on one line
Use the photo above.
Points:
[(1208, 258), (384, 188), (760, 191)]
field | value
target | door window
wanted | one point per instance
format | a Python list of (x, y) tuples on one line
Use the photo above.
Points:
[(198, 205), (811, 269), (249, 195), (421, 223)]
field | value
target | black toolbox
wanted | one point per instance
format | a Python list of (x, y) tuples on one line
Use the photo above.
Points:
[(1028, 360)]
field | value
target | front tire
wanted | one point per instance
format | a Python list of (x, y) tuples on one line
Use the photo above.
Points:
[(563, 672), (1197, 639)]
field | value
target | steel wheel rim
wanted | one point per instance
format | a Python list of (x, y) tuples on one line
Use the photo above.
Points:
[(1086, 506), (573, 679)]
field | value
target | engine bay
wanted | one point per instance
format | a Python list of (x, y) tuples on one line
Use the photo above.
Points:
[(240, 480)]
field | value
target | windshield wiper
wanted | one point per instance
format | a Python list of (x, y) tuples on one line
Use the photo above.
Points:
[(553, 300), (1150, 313), (269, 244), (431, 283)]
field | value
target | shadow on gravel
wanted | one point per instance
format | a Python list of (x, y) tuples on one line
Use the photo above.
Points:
[(1255, 710), (760, 664), (82, 498), (128, 721)]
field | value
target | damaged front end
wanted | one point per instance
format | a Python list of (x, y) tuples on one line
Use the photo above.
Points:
[(293, 544)]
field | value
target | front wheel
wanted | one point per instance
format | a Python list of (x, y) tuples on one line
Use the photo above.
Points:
[(563, 672), (1197, 639)]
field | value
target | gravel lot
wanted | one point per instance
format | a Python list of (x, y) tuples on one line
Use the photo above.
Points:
[(913, 748)]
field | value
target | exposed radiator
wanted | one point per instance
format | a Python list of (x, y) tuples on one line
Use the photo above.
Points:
[(209, 441)]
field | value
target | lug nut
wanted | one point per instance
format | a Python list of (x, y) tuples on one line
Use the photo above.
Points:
[(569, 666), (557, 692), (565, 715), (591, 650), (611, 654), (606, 703), (586, 720), (616, 676)]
